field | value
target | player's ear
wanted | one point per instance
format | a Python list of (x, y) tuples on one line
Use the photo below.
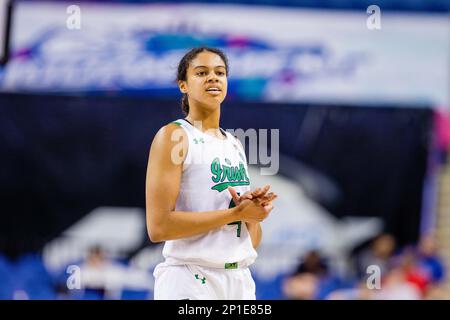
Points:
[(182, 85)]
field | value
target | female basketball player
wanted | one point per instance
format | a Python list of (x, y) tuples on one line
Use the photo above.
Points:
[(197, 193)]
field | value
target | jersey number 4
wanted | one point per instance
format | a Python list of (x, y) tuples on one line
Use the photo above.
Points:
[(238, 223)]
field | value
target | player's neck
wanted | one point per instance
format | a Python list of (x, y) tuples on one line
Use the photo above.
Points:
[(205, 119)]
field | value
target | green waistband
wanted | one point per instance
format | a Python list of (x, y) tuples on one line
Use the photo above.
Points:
[(231, 265)]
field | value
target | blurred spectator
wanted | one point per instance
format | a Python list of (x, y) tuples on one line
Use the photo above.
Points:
[(101, 276), (407, 262), (401, 280), (379, 254), (311, 280), (313, 263), (302, 286), (304, 283), (413, 274), (105, 278), (429, 261), (397, 285)]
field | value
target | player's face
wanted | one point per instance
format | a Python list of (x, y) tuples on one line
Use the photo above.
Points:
[(206, 79)]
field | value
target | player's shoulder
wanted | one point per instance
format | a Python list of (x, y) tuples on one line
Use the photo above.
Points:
[(169, 136), (171, 131)]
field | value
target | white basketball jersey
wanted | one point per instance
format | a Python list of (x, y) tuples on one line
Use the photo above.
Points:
[(210, 166)]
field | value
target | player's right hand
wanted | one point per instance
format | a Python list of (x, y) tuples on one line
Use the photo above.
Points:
[(252, 211), (259, 195)]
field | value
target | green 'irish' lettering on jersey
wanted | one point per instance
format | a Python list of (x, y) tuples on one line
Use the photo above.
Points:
[(228, 175)]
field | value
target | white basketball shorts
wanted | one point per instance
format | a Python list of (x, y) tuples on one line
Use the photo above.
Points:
[(178, 282)]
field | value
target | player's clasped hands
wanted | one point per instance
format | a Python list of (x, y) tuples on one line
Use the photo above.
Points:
[(254, 206)]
